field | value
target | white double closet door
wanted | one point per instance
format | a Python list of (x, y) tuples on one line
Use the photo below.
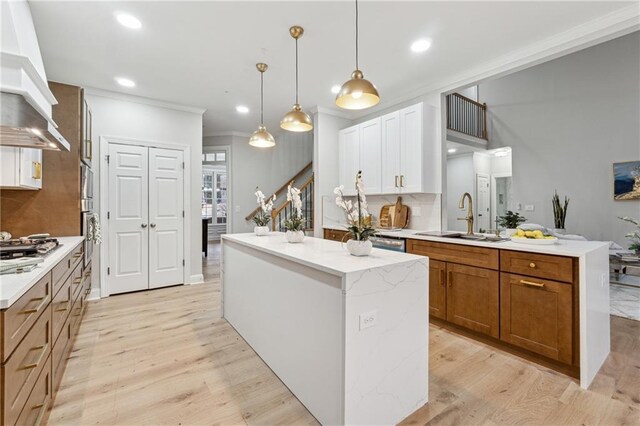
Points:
[(146, 223)]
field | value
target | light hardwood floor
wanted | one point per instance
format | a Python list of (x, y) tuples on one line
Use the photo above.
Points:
[(166, 357)]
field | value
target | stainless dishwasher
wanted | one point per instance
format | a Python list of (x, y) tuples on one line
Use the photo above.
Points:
[(389, 243)]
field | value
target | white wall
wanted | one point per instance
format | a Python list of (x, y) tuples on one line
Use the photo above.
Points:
[(568, 121), (325, 160), (267, 168), (133, 118), (460, 179)]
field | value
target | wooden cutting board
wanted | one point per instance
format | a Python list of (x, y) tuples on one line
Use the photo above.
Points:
[(401, 215), (385, 217)]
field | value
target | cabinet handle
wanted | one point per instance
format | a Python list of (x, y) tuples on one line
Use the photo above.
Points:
[(89, 149), (66, 306), (77, 280), (396, 183), (35, 364), (531, 283), (37, 170), (450, 279), (532, 265), (37, 308), (402, 181), (442, 277)]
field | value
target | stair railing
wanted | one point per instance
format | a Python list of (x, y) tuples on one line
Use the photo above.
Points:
[(466, 116), (285, 211)]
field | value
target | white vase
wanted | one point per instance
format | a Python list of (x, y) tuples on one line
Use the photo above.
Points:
[(510, 231), (359, 248), (261, 230), (295, 236)]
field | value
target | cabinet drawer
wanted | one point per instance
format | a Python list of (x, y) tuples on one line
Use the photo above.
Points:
[(60, 353), (62, 270), (18, 319), (335, 235), (23, 367), (60, 308), (455, 253), (86, 283), (35, 410), (537, 315), (76, 281), (558, 268)]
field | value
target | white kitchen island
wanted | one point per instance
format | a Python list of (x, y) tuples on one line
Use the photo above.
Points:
[(347, 335)]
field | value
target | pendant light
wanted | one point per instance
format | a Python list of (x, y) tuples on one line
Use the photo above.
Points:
[(261, 138), (296, 120), (357, 93)]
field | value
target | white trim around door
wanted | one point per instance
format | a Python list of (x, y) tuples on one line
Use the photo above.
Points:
[(105, 141)]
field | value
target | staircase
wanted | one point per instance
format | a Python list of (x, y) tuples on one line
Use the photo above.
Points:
[(283, 211)]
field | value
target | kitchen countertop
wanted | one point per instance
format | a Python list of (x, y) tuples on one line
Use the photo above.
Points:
[(570, 248), (324, 255), (13, 286)]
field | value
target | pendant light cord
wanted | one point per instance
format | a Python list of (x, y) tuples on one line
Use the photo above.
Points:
[(357, 35), (262, 98), (296, 70)]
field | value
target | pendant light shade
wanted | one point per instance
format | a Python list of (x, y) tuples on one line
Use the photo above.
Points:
[(357, 93), (261, 138), (296, 120)]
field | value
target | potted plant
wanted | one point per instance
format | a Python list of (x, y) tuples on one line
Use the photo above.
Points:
[(263, 217), (559, 212), (510, 221), (359, 228), (295, 223), (633, 237)]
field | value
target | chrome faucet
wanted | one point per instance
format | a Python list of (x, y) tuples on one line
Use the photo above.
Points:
[(469, 217)]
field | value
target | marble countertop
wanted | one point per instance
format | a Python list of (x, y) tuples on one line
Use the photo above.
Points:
[(570, 248), (13, 286), (325, 255)]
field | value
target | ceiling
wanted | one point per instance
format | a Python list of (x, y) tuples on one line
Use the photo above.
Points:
[(204, 53)]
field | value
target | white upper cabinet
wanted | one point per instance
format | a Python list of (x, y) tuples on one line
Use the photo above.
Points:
[(371, 156), (360, 150), (21, 168), (398, 153), (349, 158)]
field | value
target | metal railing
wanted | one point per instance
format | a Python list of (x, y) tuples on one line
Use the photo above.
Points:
[(466, 116)]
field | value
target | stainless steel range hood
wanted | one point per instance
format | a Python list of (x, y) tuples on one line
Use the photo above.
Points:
[(21, 125)]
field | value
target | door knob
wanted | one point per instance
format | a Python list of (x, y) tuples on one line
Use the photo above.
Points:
[(144, 225), (153, 225)]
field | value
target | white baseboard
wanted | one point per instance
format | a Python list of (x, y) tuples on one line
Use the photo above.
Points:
[(94, 295), (196, 279)]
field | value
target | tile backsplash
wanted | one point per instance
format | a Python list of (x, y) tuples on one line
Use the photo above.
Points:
[(425, 210)]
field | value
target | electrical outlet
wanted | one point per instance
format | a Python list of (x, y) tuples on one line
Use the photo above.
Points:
[(416, 211), (529, 207), (237, 209), (368, 319)]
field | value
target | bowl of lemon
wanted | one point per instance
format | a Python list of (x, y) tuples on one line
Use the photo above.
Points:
[(536, 237)]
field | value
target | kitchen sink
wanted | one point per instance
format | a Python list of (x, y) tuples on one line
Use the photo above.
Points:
[(452, 234)]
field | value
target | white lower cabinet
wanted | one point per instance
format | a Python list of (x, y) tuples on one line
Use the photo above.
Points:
[(397, 153), (20, 168)]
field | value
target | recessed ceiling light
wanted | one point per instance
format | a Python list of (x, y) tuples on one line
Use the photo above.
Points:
[(421, 45), (451, 150), (128, 21), (242, 109), (125, 82), (335, 89)]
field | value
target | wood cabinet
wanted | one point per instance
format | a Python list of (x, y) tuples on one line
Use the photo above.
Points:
[(536, 315), (523, 302), (21, 168), (37, 333), (437, 289), (397, 153), (336, 235), (472, 298)]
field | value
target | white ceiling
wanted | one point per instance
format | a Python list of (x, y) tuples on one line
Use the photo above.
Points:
[(204, 53)]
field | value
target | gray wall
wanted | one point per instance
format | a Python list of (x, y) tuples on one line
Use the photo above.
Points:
[(268, 168), (567, 121)]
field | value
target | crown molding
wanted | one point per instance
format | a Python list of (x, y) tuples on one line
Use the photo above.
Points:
[(599, 30), (142, 100), (318, 109)]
